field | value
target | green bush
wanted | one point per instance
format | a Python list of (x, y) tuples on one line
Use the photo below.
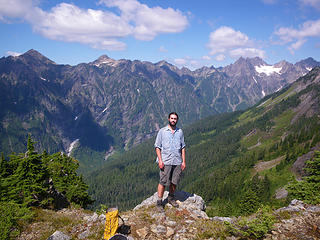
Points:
[(11, 217), (308, 190), (255, 228)]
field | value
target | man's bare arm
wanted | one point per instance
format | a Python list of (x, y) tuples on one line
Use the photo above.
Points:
[(183, 156), (160, 163)]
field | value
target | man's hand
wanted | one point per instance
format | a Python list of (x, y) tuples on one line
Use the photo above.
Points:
[(161, 164), (183, 166)]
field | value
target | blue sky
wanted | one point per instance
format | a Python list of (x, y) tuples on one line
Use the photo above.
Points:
[(185, 33)]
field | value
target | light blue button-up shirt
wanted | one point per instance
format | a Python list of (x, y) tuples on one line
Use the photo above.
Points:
[(170, 145)]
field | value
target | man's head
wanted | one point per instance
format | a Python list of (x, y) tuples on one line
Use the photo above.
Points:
[(173, 119)]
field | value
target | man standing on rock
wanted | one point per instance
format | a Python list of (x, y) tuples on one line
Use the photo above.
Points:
[(171, 158)]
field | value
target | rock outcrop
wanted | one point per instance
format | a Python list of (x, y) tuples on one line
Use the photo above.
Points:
[(188, 221), (297, 221), (147, 222), (190, 202)]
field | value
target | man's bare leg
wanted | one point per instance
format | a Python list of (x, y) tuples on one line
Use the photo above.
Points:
[(160, 191), (159, 204), (172, 189)]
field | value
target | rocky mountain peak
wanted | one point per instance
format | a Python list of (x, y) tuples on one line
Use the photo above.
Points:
[(166, 64), (205, 71), (308, 63), (243, 66), (35, 57), (163, 62), (282, 63), (105, 60)]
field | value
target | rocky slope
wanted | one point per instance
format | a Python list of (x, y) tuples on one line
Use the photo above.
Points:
[(189, 221)]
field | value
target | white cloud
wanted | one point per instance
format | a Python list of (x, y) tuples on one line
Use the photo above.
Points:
[(163, 49), (226, 38), (220, 57), (180, 61), (269, 1), (194, 63), (97, 28), (227, 41), (299, 36), (149, 22), (307, 29), (190, 63), (67, 22), (312, 3), (186, 62), (296, 45), (247, 52), (14, 54), (15, 8), (206, 57)]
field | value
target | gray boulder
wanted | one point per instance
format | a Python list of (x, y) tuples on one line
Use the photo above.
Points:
[(57, 235)]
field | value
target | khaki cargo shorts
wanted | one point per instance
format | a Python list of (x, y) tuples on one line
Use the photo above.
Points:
[(170, 174)]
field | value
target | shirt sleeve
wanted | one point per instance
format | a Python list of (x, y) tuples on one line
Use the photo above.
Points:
[(183, 145), (158, 142)]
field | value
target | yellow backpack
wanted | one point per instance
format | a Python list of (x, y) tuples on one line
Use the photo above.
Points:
[(112, 222)]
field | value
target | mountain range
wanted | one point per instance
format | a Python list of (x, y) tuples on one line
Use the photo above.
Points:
[(93, 110)]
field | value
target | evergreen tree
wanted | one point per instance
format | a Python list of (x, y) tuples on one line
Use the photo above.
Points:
[(249, 203), (62, 170), (29, 182)]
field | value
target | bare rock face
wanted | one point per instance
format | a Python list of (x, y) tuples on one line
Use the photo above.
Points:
[(281, 193), (299, 164), (191, 202)]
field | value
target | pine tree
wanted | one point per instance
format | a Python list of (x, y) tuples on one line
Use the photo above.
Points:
[(29, 182), (62, 170), (249, 203)]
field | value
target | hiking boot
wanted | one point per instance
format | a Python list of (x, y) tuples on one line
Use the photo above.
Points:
[(159, 205), (173, 202)]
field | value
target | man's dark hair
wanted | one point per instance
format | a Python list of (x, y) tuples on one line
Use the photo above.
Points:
[(174, 113)]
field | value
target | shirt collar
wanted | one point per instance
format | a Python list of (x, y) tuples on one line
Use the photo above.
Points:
[(169, 129)]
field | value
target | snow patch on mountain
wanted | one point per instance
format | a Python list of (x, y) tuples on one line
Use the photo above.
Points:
[(72, 146), (268, 70)]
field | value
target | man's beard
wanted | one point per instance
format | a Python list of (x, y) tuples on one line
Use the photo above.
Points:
[(172, 124)]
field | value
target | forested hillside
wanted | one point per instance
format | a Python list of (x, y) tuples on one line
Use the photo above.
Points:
[(231, 158)]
